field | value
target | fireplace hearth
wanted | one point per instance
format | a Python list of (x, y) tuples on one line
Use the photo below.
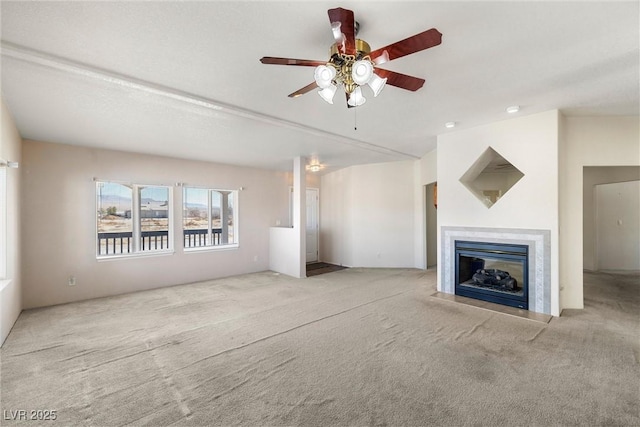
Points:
[(494, 272)]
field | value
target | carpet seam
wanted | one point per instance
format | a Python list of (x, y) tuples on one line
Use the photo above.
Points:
[(290, 329)]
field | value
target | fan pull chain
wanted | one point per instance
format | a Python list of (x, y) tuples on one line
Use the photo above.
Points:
[(355, 118)]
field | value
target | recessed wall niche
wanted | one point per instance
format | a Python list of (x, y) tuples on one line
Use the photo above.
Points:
[(490, 177)]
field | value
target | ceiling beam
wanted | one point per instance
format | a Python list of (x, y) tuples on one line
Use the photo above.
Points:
[(33, 56)]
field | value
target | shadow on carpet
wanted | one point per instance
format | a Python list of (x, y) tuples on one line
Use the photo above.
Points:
[(317, 268)]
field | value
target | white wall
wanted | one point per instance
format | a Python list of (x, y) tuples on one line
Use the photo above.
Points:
[(426, 170), (530, 143), (618, 226), (335, 244), (368, 215), (587, 141), (284, 251), (287, 245), (58, 202), (11, 287)]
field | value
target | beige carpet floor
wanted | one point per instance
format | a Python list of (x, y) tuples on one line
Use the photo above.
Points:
[(353, 347)]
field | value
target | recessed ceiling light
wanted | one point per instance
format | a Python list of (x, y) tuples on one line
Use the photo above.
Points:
[(450, 125), (513, 109)]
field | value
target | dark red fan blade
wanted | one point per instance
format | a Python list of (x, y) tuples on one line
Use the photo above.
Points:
[(291, 61), (400, 80), (307, 88), (410, 45), (343, 27)]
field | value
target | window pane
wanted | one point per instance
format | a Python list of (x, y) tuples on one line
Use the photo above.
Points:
[(216, 223), (3, 223), (195, 222), (222, 219), (204, 208), (231, 217), (154, 218), (115, 230)]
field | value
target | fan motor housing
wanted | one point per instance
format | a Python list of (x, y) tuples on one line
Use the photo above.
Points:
[(362, 49)]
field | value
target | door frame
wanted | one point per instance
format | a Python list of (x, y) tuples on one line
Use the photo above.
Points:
[(430, 218), (317, 212), (317, 215)]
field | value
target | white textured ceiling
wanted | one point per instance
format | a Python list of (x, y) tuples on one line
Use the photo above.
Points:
[(183, 79)]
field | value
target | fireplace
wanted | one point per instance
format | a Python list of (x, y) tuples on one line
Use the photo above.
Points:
[(494, 272), (538, 263)]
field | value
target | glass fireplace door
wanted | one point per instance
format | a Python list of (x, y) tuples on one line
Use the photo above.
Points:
[(493, 272)]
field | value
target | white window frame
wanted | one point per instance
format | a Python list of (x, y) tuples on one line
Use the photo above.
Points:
[(3, 223), (136, 250), (236, 221)]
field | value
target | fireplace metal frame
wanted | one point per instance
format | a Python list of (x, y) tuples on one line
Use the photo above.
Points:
[(499, 251)]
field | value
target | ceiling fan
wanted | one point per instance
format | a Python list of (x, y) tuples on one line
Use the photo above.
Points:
[(353, 64)]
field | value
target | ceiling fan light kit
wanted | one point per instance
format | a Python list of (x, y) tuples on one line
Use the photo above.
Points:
[(355, 98), (376, 84), (324, 75), (362, 71), (350, 71), (327, 93), (352, 64)]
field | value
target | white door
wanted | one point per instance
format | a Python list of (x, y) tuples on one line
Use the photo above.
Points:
[(313, 201)]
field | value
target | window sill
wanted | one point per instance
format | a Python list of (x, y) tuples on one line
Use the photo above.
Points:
[(211, 248), (134, 256), (4, 283)]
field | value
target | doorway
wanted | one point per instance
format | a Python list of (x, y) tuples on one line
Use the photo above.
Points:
[(431, 200), (610, 218), (617, 226), (313, 222)]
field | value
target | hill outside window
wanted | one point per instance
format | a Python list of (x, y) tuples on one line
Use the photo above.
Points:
[(210, 218), (133, 219)]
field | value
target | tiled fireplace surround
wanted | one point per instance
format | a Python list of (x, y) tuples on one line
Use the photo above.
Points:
[(539, 245)]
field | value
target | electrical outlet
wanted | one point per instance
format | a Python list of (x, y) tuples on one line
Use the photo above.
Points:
[(255, 258), (72, 280)]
